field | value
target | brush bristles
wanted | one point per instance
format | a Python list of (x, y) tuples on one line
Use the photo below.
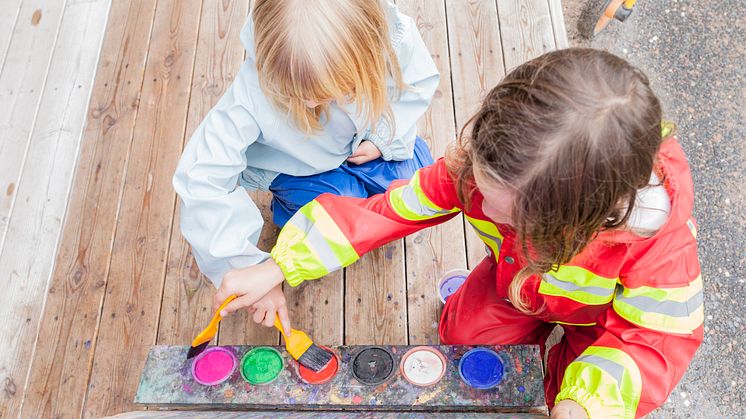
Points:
[(196, 350), (315, 358)]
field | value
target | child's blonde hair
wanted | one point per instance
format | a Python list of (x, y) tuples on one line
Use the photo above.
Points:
[(322, 50), (575, 132)]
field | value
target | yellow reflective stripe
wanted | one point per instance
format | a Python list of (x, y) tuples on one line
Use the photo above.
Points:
[(489, 234), (673, 310), (331, 233), (692, 228), (605, 381), (410, 203), (311, 245), (578, 284)]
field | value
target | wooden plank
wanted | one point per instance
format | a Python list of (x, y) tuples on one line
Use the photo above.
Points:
[(477, 66), (526, 29), (26, 52), (558, 23), (434, 251), (375, 298), (59, 374), (129, 318), (317, 308), (42, 191), (8, 18), (187, 296), (21, 84)]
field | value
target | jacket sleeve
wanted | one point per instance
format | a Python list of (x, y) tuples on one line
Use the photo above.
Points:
[(645, 340), (421, 75), (217, 217), (332, 232)]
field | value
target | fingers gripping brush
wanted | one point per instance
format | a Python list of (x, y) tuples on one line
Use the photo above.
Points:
[(203, 339), (303, 350)]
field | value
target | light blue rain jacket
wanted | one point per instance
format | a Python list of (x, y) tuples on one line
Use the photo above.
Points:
[(244, 143)]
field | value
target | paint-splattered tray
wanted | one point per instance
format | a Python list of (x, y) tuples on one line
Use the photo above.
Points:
[(167, 381)]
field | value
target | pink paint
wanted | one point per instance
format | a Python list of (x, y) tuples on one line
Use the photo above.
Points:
[(357, 399), (213, 366)]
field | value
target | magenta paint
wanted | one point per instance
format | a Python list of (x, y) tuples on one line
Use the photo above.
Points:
[(450, 282), (214, 366)]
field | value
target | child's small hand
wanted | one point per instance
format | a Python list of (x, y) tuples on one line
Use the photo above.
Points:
[(273, 303), (366, 151), (249, 285), (568, 409)]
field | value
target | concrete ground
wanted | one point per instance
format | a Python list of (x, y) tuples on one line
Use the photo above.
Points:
[(693, 52)]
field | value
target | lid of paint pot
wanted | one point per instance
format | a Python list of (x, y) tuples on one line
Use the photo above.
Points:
[(481, 368), (423, 366), (320, 377), (213, 366), (373, 365), (261, 365)]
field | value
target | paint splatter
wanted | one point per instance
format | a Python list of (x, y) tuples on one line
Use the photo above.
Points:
[(357, 399)]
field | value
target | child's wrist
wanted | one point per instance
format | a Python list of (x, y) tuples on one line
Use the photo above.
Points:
[(275, 272)]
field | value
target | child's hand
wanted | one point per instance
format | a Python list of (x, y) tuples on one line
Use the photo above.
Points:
[(269, 305), (249, 285), (366, 151), (568, 409)]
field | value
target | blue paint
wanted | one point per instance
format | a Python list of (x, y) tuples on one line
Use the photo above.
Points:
[(481, 368), (521, 389), (450, 285)]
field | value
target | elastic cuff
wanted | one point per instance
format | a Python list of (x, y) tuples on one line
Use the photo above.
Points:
[(592, 404), (280, 254), (382, 145)]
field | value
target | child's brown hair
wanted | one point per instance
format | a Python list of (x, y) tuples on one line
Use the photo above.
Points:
[(575, 133)]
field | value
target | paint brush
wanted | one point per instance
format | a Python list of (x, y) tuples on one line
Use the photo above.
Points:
[(203, 339), (303, 350)]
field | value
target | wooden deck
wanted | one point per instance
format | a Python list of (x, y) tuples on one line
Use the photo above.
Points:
[(96, 101)]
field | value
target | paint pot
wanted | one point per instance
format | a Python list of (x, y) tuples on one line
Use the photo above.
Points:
[(213, 366), (261, 365), (450, 282), (423, 366), (320, 377), (373, 365), (481, 368)]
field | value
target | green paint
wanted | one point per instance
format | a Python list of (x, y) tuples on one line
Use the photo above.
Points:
[(261, 365)]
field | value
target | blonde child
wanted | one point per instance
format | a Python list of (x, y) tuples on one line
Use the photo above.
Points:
[(326, 102), (585, 204)]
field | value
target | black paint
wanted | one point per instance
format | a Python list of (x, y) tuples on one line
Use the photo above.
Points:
[(373, 365)]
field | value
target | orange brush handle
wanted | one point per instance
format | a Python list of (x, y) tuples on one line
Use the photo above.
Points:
[(212, 329), (297, 343)]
